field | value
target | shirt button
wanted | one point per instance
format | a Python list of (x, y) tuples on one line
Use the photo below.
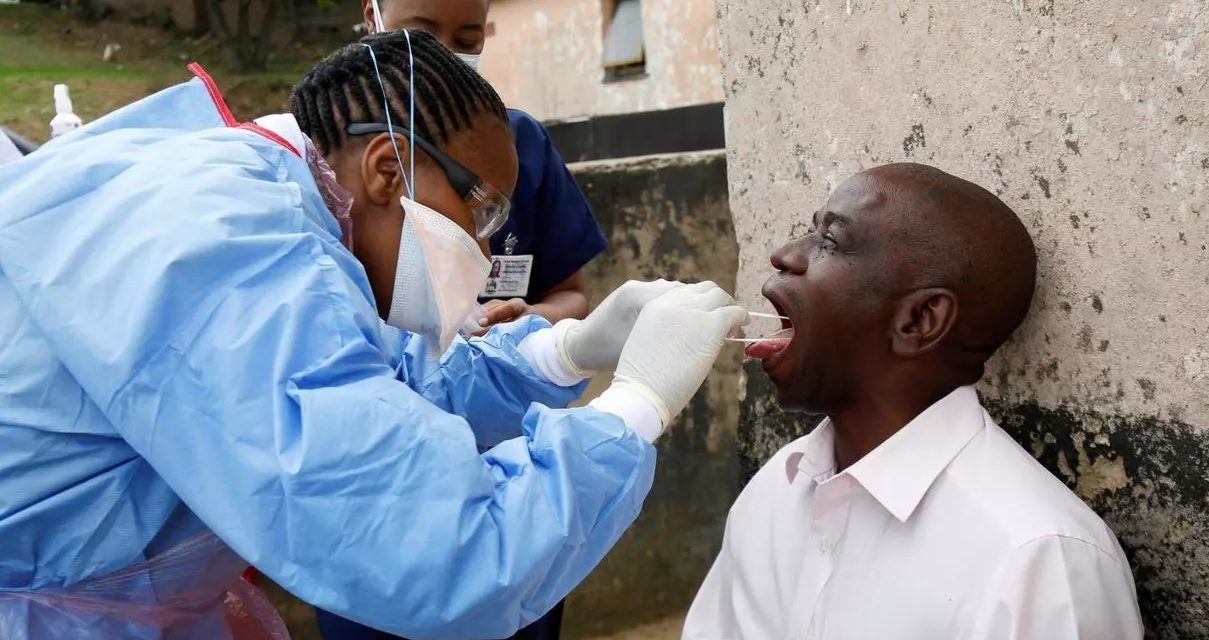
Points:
[(824, 546)]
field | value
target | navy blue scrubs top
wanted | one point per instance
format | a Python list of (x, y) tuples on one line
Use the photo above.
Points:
[(550, 218)]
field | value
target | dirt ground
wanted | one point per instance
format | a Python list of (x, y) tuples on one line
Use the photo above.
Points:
[(299, 617), (663, 630), (41, 46)]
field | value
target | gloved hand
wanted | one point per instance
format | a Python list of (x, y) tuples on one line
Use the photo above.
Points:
[(595, 343), (674, 345)]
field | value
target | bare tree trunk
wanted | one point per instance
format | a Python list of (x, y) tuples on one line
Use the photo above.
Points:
[(247, 48), (264, 39), (218, 21)]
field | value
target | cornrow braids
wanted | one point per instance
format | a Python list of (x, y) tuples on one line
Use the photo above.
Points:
[(343, 90)]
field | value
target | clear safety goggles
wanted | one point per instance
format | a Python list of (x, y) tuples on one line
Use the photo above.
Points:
[(489, 207)]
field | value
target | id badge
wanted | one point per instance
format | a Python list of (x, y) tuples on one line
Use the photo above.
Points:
[(509, 277)]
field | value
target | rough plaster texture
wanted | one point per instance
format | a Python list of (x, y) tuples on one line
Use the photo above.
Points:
[(1091, 119), (666, 217), (545, 57)]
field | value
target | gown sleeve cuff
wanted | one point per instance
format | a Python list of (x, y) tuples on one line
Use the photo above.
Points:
[(635, 410), (540, 350)]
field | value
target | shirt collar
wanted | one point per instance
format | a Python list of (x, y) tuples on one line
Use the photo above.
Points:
[(899, 472), (817, 459)]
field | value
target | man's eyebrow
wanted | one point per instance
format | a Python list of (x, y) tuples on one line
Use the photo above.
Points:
[(833, 217), (475, 27)]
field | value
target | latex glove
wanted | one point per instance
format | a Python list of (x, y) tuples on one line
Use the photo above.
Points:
[(674, 344), (595, 343)]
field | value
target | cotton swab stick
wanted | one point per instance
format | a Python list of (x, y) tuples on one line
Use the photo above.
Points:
[(772, 316)]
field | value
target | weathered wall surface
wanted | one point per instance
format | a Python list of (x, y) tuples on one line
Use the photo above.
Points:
[(545, 57), (666, 217), (1091, 119)]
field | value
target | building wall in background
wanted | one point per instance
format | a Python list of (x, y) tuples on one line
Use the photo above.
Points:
[(1091, 120), (545, 56)]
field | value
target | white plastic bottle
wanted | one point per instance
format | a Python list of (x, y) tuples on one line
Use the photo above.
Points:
[(65, 119)]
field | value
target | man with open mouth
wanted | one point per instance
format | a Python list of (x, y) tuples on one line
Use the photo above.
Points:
[(907, 513)]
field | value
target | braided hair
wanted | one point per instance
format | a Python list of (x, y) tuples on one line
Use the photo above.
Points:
[(343, 90)]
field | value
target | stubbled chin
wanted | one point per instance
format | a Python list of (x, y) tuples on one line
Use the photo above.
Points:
[(785, 373)]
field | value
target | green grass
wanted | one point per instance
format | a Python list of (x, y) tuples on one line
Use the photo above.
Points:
[(41, 46)]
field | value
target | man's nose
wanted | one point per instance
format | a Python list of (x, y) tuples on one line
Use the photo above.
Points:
[(790, 257)]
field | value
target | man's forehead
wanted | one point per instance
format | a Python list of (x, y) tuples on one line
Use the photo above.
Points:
[(859, 196)]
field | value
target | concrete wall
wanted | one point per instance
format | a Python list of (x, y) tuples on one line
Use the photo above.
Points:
[(1090, 119), (545, 57)]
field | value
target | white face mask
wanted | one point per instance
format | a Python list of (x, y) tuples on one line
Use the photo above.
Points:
[(440, 268), (471, 59), (438, 277)]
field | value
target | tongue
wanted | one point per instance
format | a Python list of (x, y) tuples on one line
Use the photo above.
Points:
[(767, 348)]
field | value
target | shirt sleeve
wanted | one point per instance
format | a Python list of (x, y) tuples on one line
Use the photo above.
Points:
[(567, 235), (205, 306), (1061, 588)]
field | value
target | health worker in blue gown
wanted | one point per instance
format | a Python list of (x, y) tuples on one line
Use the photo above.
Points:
[(224, 342), (540, 252)]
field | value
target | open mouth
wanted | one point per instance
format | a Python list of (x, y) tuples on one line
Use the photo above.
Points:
[(771, 344)]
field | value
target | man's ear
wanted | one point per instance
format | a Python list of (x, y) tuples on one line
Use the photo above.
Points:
[(380, 171), (367, 11), (922, 320)]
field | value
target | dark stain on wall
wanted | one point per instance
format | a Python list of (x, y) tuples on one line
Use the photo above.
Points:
[(1042, 182), (1158, 506), (915, 140)]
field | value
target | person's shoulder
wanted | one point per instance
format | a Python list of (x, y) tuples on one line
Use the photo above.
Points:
[(518, 118), (528, 129), (1020, 498)]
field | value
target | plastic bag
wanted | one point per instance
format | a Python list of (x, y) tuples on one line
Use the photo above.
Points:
[(338, 199), (192, 591)]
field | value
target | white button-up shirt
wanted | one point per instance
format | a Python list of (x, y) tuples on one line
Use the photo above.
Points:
[(949, 529)]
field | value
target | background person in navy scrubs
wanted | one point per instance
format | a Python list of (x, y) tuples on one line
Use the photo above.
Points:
[(550, 235), (548, 239)]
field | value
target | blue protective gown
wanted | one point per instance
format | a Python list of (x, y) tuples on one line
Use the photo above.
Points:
[(185, 345)]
